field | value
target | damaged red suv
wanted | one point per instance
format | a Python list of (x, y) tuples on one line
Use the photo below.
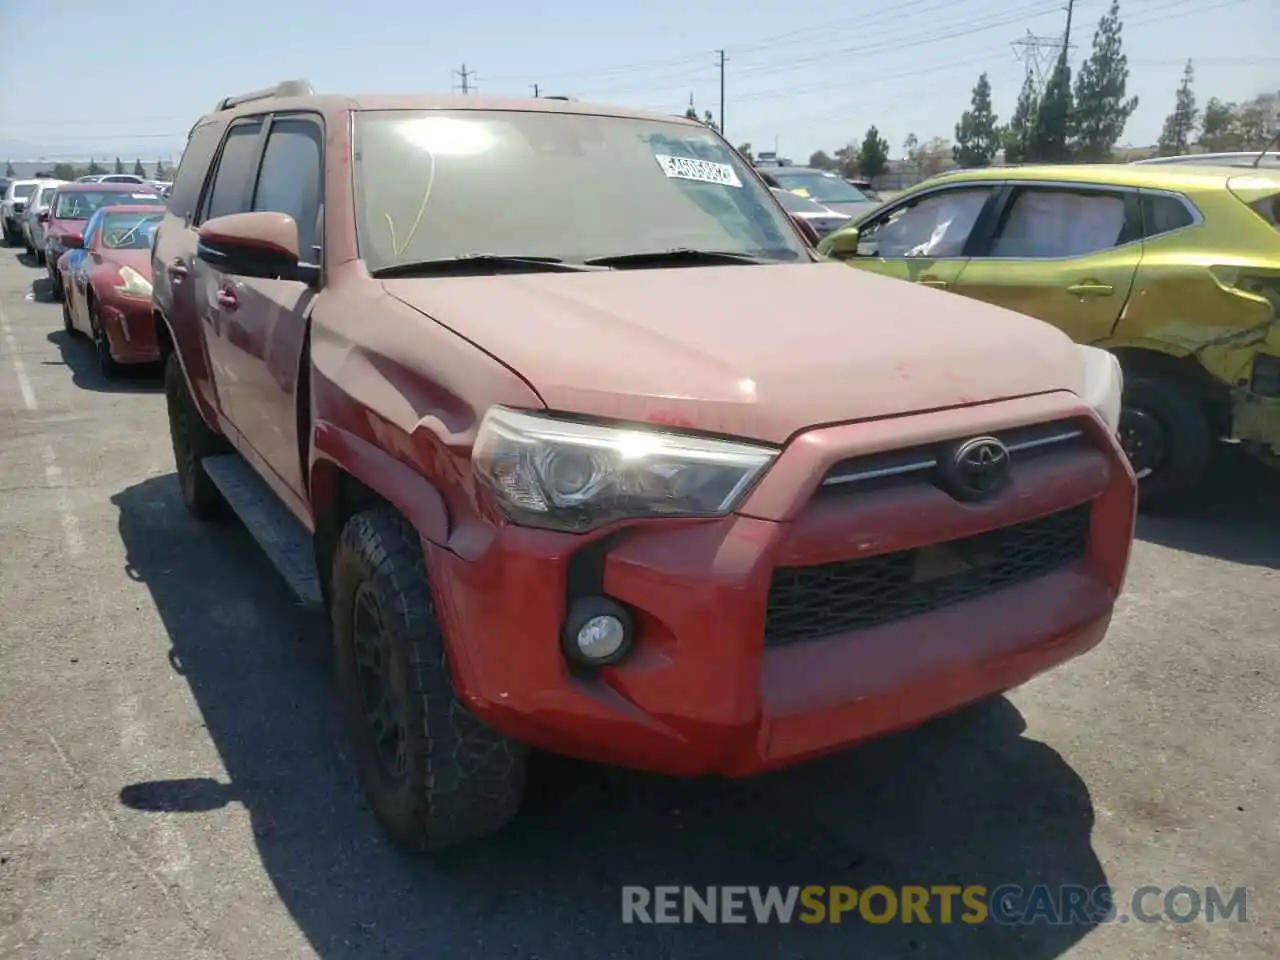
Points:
[(584, 449)]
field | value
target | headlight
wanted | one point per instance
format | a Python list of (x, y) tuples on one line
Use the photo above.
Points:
[(133, 284), (1103, 384), (575, 476)]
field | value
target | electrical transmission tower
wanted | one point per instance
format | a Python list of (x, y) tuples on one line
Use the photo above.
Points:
[(465, 77), (1040, 54)]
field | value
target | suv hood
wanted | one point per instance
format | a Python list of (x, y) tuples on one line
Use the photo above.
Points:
[(757, 352)]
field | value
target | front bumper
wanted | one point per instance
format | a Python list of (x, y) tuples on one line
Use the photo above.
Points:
[(703, 691), (130, 330)]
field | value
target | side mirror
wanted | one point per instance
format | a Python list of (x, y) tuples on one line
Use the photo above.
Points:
[(259, 244), (847, 243), (806, 228), (42, 216), (73, 241)]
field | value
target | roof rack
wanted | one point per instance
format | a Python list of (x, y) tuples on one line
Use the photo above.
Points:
[(286, 88)]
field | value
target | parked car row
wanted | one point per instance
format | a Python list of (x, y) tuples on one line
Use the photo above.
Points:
[(581, 445)]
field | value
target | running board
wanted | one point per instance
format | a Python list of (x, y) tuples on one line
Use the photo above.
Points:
[(285, 541)]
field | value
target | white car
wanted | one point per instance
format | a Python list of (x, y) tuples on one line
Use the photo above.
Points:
[(14, 206), (112, 178), (37, 213)]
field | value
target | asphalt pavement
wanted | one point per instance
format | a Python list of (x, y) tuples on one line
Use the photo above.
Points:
[(172, 781)]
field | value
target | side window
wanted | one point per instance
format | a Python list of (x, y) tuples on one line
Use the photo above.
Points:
[(289, 179), (1056, 222), (229, 192), (1160, 214), (936, 225), (192, 169)]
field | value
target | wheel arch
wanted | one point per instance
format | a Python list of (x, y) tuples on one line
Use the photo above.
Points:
[(1158, 361)]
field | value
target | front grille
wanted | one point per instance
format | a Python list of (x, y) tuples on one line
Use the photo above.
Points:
[(806, 603), (921, 464)]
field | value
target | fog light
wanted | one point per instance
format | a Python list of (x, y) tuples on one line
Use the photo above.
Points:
[(597, 632)]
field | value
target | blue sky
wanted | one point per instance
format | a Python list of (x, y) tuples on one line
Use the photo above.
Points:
[(813, 80)]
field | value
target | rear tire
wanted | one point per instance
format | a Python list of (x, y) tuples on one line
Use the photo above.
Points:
[(192, 442), (1165, 431), (434, 775)]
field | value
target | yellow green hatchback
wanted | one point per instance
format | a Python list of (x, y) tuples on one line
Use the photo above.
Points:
[(1176, 269)]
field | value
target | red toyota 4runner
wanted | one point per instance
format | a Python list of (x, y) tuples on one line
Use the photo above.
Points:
[(584, 448)]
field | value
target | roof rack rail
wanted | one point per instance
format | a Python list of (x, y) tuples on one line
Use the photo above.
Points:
[(286, 88)]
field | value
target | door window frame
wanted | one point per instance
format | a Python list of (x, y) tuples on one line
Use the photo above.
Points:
[(317, 120), (979, 228), (1148, 232), (255, 159), (1009, 194)]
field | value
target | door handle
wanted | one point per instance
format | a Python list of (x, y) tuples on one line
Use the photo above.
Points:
[(227, 299), (1090, 288), (929, 280), (177, 269)]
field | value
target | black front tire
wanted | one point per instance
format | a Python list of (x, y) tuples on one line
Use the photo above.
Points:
[(1165, 431), (107, 365), (192, 442), (434, 775)]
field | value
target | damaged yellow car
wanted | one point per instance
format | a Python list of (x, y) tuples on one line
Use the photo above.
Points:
[(1176, 269)]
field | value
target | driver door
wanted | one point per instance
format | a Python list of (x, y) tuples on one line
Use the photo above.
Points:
[(925, 238)]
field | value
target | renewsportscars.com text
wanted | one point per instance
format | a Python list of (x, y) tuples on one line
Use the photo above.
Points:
[(943, 904)]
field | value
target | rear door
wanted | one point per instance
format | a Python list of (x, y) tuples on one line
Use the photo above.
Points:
[(214, 292), (173, 256), (926, 238), (1061, 252), (266, 329)]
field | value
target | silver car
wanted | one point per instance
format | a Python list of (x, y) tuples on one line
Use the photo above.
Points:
[(35, 217)]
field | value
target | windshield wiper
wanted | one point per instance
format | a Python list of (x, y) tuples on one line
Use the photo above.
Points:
[(677, 255), (472, 261)]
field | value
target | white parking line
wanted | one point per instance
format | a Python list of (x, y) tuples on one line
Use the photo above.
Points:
[(19, 368), (53, 476), (70, 525)]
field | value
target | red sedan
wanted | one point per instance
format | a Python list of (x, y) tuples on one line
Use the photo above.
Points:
[(106, 283), (74, 204)]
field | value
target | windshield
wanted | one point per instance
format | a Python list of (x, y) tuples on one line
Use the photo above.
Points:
[(794, 203), (822, 187), (24, 190), (439, 184), (82, 204), (46, 194), (129, 231)]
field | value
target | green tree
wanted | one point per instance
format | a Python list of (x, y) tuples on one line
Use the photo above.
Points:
[(138, 169), (1180, 126), (819, 160), (873, 155), (119, 167), (977, 136), (1016, 137), (161, 171), (1049, 141), (1218, 130), (709, 120), (65, 171), (94, 169), (1252, 121), (743, 148), (8, 168), (690, 113), (1101, 108)]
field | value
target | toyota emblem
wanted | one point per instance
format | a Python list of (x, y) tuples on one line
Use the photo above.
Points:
[(977, 469)]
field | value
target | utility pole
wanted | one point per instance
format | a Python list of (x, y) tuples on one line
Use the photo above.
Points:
[(1066, 36), (465, 76), (723, 59), (536, 92)]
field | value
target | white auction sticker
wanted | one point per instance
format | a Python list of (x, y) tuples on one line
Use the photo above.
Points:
[(704, 171), (143, 196)]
